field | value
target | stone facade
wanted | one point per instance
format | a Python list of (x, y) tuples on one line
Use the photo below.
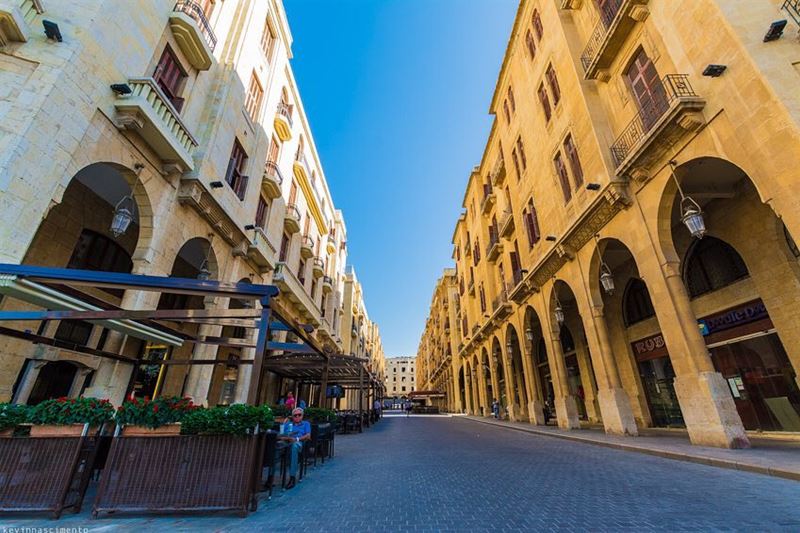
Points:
[(401, 376), (192, 111), (599, 115)]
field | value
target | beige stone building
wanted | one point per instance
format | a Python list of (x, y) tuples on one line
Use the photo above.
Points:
[(625, 253), (185, 116), (401, 377)]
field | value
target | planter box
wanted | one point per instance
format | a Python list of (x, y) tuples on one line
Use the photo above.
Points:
[(71, 430), (161, 431), (172, 474), (6, 433)]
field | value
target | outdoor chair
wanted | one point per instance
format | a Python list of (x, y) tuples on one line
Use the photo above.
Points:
[(351, 423), (275, 453)]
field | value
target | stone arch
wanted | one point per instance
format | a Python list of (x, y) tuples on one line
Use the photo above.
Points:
[(516, 373)]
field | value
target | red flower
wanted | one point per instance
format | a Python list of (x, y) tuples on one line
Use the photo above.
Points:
[(155, 408)]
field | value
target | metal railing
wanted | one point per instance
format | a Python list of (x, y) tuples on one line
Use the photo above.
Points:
[(292, 212), (307, 242), (493, 240), (327, 280), (498, 171), (194, 10), (793, 8), (285, 110), (271, 169), (500, 299), (608, 13), (487, 195), (669, 89)]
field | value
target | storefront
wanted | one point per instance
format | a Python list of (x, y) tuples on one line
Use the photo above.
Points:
[(657, 374), (746, 350)]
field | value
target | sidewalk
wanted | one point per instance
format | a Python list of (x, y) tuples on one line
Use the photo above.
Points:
[(767, 456)]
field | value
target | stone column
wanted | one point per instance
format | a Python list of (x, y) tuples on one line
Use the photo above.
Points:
[(535, 405), (614, 403), (566, 408), (705, 399)]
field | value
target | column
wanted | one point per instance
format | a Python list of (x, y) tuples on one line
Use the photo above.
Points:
[(566, 408), (535, 405), (705, 399)]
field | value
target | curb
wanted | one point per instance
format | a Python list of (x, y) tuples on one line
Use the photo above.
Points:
[(677, 456)]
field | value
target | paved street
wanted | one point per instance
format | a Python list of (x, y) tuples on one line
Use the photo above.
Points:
[(458, 475)]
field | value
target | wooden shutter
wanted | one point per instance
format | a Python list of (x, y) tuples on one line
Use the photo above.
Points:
[(168, 76), (274, 148), (292, 193), (261, 212), (537, 25), (284, 248), (511, 99), (647, 88), (531, 45), (521, 149), (545, 101), (553, 82), (534, 221), (574, 160), (563, 178)]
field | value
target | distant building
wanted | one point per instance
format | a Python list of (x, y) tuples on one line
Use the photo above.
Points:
[(400, 376)]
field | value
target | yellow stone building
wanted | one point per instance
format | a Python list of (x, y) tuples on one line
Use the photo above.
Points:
[(625, 253), (187, 117)]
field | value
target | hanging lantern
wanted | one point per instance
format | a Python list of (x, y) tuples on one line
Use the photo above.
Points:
[(529, 334), (692, 217), (606, 279), (559, 314), (205, 273), (510, 348), (123, 216)]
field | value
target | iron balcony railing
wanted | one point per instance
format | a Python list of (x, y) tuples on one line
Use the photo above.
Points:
[(793, 8), (271, 169), (671, 88), (516, 275), (327, 280), (285, 110), (500, 299), (293, 212), (317, 263), (493, 240), (194, 10), (608, 13)]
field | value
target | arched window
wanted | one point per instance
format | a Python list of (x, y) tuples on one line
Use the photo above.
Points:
[(711, 264), (636, 304)]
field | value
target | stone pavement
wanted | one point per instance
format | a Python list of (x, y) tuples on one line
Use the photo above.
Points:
[(455, 474), (767, 456)]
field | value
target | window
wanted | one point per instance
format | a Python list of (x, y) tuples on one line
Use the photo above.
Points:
[(530, 44), (711, 264), (169, 76), (545, 101), (563, 178), (505, 110), (284, 253), (234, 176), (552, 81), (74, 331), (515, 160), (537, 24), (301, 271), (403, 388), (267, 41), (252, 102), (511, 100), (261, 212), (483, 298), (274, 151), (647, 88), (636, 303), (574, 161), (532, 224), (521, 149)]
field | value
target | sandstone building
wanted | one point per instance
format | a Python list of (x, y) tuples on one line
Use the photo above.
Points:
[(625, 254), (186, 119), (401, 377)]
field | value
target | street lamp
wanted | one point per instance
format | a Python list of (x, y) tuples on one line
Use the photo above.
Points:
[(529, 334), (691, 213), (606, 277), (123, 216), (558, 312), (205, 273)]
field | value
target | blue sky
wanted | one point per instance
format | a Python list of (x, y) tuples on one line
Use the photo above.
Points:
[(397, 94)]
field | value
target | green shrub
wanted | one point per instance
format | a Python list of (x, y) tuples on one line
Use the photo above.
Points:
[(318, 415), (237, 419), (12, 414), (154, 413), (281, 411), (66, 411)]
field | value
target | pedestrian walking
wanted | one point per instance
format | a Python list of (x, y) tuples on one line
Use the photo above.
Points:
[(496, 408)]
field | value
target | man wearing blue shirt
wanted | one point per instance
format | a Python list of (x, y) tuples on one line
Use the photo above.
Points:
[(301, 432)]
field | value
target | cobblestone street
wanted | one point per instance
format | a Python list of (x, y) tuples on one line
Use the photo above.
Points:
[(458, 475)]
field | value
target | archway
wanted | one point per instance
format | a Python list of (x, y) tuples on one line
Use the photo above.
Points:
[(461, 389), (517, 374), (486, 382), (500, 372), (744, 290), (541, 404)]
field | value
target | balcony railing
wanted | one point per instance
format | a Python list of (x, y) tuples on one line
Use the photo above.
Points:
[(493, 247), (488, 198), (506, 224), (793, 8), (194, 10), (498, 173), (272, 180), (285, 110), (607, 14), (672, 90), (318, 267)]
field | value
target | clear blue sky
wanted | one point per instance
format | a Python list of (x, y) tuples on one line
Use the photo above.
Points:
[(397, 93)]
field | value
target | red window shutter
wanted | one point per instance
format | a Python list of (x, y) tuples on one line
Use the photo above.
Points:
[(505, 110), (527, 222), (545, 100), (531, 45), (553, 81), (574, 160), (511, 99), (535, 233), (537, 25), (516, 162), (563, 178), (284, 248), (261, 212), (521, 149)]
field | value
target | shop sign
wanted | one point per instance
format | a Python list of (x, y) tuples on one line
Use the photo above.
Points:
[(744, 314), (650, 346)]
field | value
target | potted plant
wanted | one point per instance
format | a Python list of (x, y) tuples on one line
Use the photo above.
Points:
[(236, 419), (319, 415), (66, 417), (11, 415), (281, 411), (145, 417)]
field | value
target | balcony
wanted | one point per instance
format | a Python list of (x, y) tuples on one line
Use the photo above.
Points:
[(501, 307), (14, 19), (488, 199), (292, 220), (258, 251), (617, 20), (658, 124), (507, 225), (327, 284), (271, 180), (317, 268), (498, 174), (494, 248), (301, 170), (283, 121), (294, 291), (193, 33), (331, 246), (306, 247), (148, 112)]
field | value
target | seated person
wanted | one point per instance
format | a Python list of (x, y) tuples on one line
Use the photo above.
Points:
[(301, 432)]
